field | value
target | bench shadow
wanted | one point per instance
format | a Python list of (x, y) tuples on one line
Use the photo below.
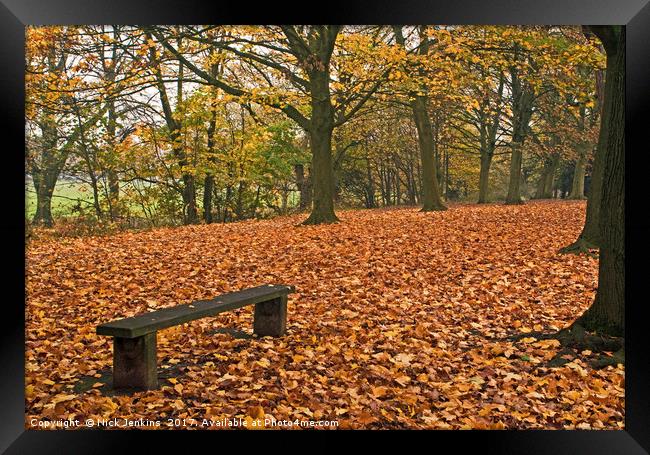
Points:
[(165, 370), (235, 333)]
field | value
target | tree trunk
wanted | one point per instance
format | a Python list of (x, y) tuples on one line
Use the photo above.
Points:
[(44, 185), (522, 109), (550, 177), (307, 193), (431, 200), (591, 231), (514, 185), (387, 188), (239, 205), (430, 190), (607, 313), (174, 125), (208, 188), (484, 176), (45, 172), (446, 192), (545, 183), (370, 187), (321, 126), (90, 162), (95, 187), (190, 211), (398, 187), (578, 182), (488, 135), (208, 182), (226, 203), (109, 66), (113, 181), (284, 195), (590, 235), (539, 192), (304, 187), (410, 178), (256, 201)]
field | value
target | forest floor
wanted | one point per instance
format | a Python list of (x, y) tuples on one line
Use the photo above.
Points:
[(401, 319)]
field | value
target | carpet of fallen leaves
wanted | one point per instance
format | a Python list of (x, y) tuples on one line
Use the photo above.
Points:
[(401, 319)]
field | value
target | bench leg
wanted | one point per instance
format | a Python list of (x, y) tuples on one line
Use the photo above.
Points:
[(134, 362), (271, 317)]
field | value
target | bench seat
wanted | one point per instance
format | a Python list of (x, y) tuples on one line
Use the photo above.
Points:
[(168, 317)]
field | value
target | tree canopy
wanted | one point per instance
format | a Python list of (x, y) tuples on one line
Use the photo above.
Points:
[(163, 125)]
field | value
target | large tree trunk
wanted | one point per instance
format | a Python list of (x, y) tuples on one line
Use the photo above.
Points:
[(591, 231), (590, 235), (607, 313), (321, 126), (514, 185), (484, 177), (431, 200)]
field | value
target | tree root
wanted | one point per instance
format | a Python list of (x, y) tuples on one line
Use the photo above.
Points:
[(576, 338), (580, 246), (435, 208), (613, 360), (319, 219), (560, 358)]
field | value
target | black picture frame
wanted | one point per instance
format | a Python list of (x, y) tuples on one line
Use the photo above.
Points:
[(16, 14)]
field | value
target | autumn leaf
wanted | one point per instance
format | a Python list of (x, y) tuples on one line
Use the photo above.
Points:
[(366, 418), (256, 412)]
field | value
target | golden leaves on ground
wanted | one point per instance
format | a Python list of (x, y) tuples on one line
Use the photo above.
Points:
[(401, 319)]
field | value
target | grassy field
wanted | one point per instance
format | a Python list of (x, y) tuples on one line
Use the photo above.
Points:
[(66, 195)]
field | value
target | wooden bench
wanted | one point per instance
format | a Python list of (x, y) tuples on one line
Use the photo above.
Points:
[(134, 342)]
